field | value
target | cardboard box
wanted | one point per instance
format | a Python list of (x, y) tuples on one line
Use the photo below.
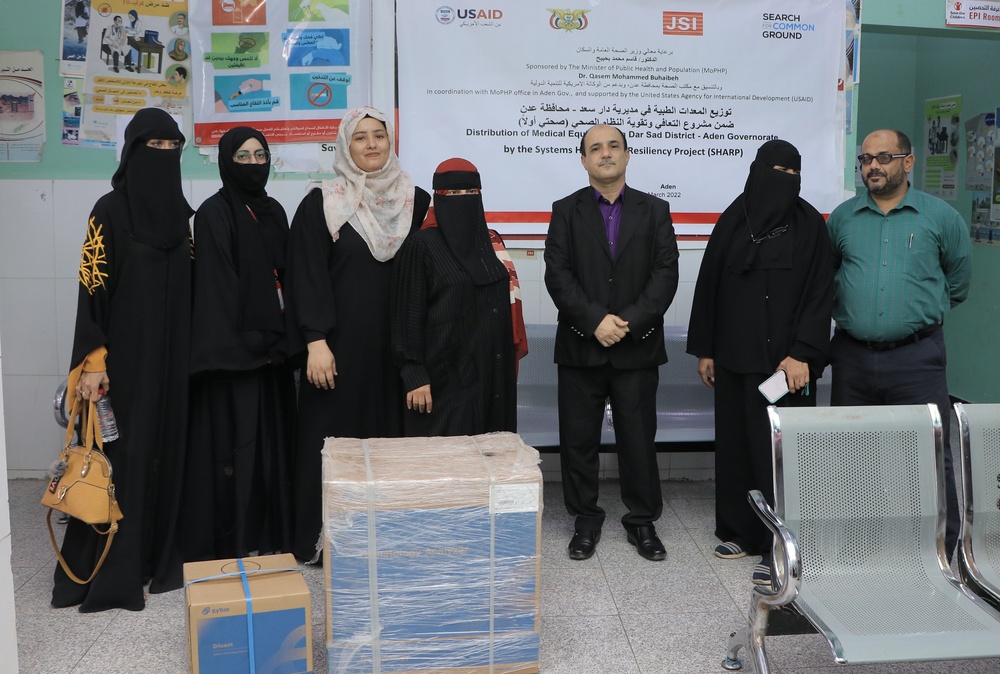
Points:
[(217, 618), (432, 554)]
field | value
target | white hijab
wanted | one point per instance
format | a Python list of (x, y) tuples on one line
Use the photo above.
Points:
[(378, 205)]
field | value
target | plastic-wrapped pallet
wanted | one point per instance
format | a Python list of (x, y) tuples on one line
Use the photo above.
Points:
[(432, 554)]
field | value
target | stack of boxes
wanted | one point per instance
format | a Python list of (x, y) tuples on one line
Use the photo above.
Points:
[(431, 554)]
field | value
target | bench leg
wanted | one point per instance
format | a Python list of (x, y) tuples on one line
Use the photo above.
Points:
[(737, 642), (750, 637)]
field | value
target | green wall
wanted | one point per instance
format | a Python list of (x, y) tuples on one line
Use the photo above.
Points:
[(908, 56), (33, 26)]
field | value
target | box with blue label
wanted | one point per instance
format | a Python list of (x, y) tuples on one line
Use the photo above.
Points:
[(248, 615), (431, 554)]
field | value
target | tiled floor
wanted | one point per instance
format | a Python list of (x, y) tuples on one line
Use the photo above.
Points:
[(612, 614)]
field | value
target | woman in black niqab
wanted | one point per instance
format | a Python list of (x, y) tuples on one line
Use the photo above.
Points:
[(237, 480), (770, 202), (150, 178), (132, 343), (762, 303)]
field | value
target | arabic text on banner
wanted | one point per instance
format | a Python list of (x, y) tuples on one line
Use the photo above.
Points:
[(696, 93)]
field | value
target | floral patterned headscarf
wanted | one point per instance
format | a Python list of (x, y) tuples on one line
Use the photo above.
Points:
[(378, 205)]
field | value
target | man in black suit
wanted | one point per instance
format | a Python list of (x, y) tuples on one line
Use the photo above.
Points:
[(611, 269)]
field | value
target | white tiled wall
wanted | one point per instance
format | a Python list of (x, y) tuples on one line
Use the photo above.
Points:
[(42, 226), (8, 632)]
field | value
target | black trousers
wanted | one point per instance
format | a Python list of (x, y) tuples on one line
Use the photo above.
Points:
[(582, 395), (907, 375), (743, 458)]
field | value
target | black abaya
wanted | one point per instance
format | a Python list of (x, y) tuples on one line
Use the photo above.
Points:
[(456, 336), (134, 303), (748, 319), (141, 313), (339, 292), (237, 494)]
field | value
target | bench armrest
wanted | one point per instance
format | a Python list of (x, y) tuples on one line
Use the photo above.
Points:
[(788, 567)]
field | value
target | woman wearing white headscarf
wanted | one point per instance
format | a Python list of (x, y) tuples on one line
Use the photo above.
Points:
[(340, 255)]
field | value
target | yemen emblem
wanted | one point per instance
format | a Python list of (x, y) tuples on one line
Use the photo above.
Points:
[(568, 19)]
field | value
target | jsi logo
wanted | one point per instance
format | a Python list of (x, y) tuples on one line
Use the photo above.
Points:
[(683, 23)]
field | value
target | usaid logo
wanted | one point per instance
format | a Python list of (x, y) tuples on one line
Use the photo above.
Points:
[(445, 15), (448, 15), (683, 23)]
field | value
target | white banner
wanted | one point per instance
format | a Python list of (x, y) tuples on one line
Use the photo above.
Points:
[(960, 13), (697, 87)]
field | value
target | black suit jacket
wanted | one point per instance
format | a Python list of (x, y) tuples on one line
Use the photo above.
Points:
[(586, 284)]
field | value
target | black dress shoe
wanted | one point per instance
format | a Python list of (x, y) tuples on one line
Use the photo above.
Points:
[(646, 542), (583, 544)]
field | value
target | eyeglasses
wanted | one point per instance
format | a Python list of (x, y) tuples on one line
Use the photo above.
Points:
[(244, 156), (882, 157)]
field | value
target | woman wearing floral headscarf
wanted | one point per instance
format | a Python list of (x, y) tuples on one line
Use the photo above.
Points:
[(344, 237)]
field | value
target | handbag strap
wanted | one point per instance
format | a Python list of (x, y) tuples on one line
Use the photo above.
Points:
[(90, 425), (112, 530)]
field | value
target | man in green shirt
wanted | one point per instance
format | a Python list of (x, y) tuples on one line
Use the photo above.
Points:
[(903, 260)]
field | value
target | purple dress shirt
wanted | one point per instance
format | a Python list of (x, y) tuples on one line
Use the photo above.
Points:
[(612, 214)]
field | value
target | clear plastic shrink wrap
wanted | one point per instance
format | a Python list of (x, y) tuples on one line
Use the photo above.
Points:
[(431, 554)]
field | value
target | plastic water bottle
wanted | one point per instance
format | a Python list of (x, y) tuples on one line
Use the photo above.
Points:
[(106, 418)]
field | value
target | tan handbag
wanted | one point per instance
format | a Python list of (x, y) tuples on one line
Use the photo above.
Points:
[(82, 485)]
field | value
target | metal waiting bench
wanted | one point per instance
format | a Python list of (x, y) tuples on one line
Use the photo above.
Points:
[(859, 540), (979, 545), (684, 405)]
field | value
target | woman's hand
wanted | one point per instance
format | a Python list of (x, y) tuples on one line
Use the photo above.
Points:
[(419, 399), (796, 372), (321, 366), (706, 370), (91, 384)]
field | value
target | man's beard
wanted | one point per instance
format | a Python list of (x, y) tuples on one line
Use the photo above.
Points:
[(892, 181)]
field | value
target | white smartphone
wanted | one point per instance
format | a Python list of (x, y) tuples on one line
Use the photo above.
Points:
[(774, 387)]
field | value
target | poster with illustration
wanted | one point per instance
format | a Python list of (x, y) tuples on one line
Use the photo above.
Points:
[(942, 133), (75, 33), (22, 106), (138, 56), (979, 151), (72, 110), (289, 68), (995, 187), (984, 230)]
